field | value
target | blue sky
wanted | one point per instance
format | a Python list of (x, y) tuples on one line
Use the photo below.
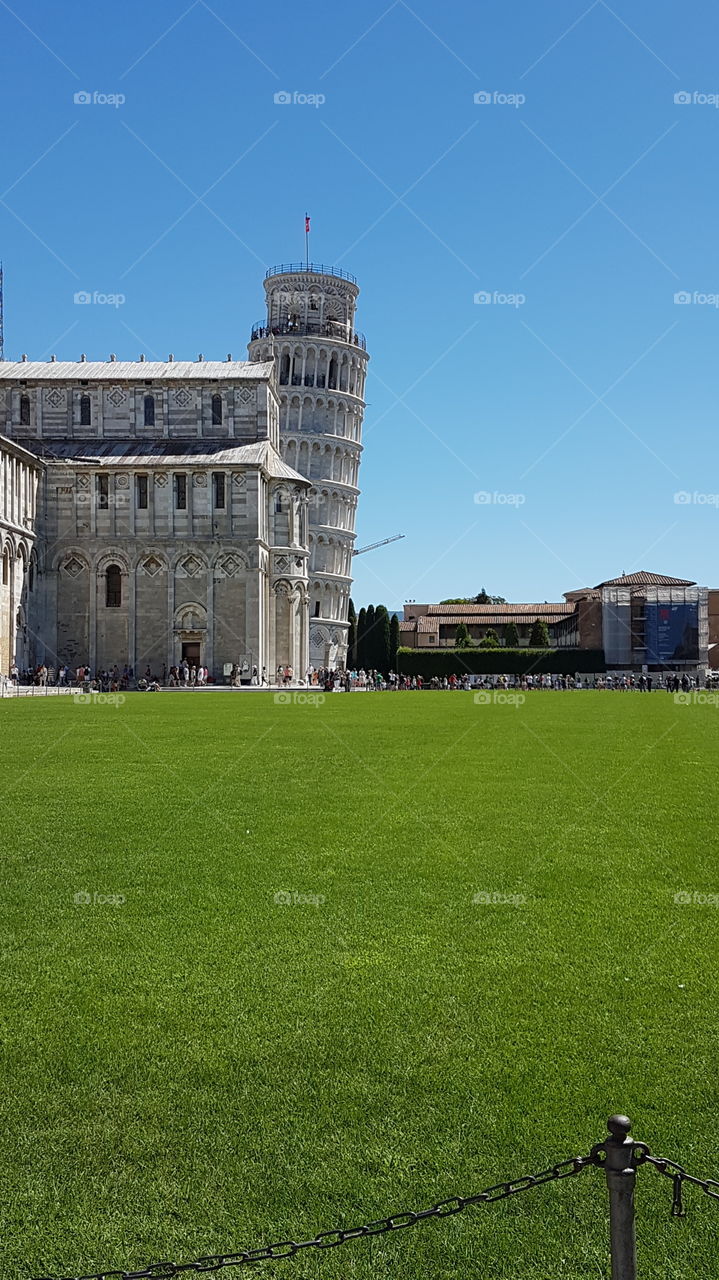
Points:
[(579, 411)]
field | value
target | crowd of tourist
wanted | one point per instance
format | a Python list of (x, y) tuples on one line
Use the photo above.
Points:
[(186, 675)]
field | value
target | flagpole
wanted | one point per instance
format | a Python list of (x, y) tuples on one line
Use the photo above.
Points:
[(307, 241)]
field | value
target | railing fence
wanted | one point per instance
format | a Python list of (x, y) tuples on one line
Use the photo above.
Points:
[(619, 1155)]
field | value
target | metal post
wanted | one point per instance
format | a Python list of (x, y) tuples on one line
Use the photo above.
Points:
[(621, 1176)]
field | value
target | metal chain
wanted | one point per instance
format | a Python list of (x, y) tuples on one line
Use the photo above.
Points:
[(678, 1176), (330, 1239)]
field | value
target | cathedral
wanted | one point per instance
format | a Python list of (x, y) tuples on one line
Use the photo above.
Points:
[(205, 510)]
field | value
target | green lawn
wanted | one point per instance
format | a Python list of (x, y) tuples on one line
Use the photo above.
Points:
[(201, 1068)]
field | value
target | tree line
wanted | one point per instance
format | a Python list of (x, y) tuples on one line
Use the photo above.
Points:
[(373, 639)]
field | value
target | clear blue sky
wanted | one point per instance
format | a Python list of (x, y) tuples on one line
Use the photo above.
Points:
[(595, 399)]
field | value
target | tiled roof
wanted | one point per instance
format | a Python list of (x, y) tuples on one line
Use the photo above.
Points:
[(133, 370), (500, 619), (482, 611), (169, 453), (407, 626), (643, 579)]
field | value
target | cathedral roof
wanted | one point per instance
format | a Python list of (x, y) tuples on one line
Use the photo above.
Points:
[(133, 370), (169, 453)]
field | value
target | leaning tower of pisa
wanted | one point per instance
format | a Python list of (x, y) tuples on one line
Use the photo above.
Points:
[(321, 363)]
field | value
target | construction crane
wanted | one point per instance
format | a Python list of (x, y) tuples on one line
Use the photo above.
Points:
[(361, 550)]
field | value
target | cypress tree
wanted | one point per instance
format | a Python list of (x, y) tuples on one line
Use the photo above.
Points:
[(511, 636), (539, 637), (352, 637), (361, 635), (381, 648), (370, 640), (394, 641)]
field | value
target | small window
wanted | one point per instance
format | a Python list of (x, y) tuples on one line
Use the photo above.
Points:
[(85, 411), (180, 492), (5, 569), (278, 504), (317, 609), (218, 490), (217, 411), (149, 411), (24, 411), (103, 492), (113, 586), (141, 491)]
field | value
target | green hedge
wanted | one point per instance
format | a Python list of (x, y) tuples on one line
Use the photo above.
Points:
[(445, 662)]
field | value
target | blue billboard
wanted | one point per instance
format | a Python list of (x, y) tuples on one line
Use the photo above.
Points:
[(672, 633)]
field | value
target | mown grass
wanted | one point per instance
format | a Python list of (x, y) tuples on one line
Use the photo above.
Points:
[(201, 1068)]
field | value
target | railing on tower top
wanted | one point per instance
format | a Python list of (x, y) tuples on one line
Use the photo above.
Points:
[(309, 328), (314, 268)]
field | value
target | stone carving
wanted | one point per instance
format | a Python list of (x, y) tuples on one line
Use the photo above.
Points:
[(247, 394), (182, 397), (83, 482), (151, 566), (190, 567), (74, 567), (238, 479), (200, 479), (160, 479), (117, 396), (282, 564), (122, 482), (55, 398), (229, 566)]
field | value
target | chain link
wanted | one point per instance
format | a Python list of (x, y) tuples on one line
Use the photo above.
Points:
[(679, 1176), (340, 1235)]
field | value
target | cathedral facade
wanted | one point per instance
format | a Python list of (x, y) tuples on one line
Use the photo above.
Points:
[(155, 511), (148, 516)]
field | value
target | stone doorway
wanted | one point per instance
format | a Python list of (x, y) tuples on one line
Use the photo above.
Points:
[(191, 652)]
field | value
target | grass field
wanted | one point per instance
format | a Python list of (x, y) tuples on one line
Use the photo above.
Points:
[(201, 1068)]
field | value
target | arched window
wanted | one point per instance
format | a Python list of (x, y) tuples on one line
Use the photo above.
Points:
[(149, 411), (217, 411), (285, 369), (31, 574), (85, 411), (113, 586), (24, 411), (5, 569)]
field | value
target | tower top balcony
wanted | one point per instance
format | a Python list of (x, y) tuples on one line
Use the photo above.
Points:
[(335, 330), (311, 268)]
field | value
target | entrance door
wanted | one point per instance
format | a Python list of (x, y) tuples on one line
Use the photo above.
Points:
[(191, 652)]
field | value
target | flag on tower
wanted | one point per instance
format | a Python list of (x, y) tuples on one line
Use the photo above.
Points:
[(307, 224)]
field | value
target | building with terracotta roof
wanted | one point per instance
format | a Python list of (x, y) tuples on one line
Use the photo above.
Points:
[(636, 620)]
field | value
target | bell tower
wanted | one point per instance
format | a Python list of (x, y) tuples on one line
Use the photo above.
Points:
[(321, 363)]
